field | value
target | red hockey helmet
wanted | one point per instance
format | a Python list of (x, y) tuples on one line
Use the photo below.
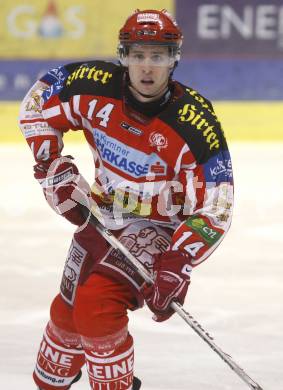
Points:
[(150, 27)]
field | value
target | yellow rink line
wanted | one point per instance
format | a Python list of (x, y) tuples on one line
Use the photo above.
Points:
[(242, 121)]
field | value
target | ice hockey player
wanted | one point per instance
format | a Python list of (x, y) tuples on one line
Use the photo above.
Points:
[(162, 183)]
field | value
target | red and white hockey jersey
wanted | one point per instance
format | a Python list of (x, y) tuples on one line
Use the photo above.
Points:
[(174, 169)]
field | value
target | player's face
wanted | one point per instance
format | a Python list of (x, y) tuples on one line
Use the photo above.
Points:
[(149, 69)]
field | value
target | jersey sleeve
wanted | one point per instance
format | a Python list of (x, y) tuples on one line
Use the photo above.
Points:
[(44, 138), (207, 183)]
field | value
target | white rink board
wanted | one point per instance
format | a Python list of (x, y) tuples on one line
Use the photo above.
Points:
[(237, 295)]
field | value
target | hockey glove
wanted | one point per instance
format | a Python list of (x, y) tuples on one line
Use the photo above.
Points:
[(172, 279), (64, 188)]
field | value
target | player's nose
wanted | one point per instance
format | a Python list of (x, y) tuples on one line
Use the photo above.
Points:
[(147, 65)]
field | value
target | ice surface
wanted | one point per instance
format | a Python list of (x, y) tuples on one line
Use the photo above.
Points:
[(237, 295)]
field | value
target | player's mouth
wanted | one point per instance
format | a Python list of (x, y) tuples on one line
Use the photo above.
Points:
[(147, 82)]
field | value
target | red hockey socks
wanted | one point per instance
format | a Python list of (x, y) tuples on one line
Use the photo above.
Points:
[(94, 332), (111, 370), (57, 364)]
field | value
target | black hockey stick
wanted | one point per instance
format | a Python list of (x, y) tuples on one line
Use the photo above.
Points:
[(177, 307)]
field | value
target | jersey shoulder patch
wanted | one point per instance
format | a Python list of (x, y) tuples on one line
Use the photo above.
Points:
[(94, 78), (193, 118)]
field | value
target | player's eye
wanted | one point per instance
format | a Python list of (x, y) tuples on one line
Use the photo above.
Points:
[(138, 57), (157, 58)]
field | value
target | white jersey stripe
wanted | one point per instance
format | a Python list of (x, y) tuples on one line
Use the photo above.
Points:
[(51, 112), (185, 149), (85, 123), (67, 110)]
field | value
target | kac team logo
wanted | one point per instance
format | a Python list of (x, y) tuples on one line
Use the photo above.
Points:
[(158, 140)]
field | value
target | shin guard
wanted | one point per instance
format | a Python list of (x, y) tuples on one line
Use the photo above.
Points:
[(58, 362), (112, 370)]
